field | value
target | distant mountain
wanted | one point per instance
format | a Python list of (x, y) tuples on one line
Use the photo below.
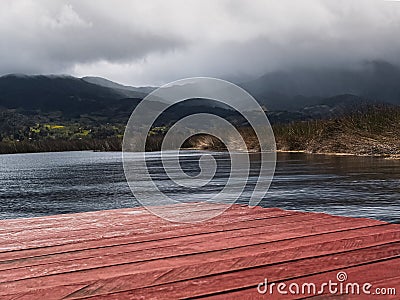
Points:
[(296, 89), (124, 89), (87, 100), (331, 107), (288, 96), (69, 95), (336, 106)]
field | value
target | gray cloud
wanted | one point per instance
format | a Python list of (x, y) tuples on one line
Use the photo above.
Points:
[(55, 36), (139, 42)]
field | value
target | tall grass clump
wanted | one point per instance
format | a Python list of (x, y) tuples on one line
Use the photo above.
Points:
[(372, 130)]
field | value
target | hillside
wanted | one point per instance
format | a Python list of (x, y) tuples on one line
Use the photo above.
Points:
[(68, 94)]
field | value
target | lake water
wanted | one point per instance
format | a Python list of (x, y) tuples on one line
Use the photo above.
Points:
[(52, 183)]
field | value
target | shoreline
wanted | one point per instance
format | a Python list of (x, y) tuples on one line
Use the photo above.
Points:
[(384, 156), (372, 132)]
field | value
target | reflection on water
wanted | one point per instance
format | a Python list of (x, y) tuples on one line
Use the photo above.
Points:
[(52, 183), (340, 185)]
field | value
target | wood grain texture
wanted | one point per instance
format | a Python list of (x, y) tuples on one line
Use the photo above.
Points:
[(132, 254)]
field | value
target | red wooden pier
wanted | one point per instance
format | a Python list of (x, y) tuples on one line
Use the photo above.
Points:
[(131, 254)]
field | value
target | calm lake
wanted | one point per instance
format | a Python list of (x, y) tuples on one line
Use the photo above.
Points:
[(40, 184)]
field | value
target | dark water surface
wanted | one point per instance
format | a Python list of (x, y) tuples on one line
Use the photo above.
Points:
[(52, 183)]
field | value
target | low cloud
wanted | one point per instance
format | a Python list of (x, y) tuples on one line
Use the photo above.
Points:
[(151, 42)]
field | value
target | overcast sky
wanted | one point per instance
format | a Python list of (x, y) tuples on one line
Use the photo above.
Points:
[(154, 42)]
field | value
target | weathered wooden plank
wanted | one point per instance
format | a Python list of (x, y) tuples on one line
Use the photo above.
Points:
[(146, 232), (12, 244), (97, 217), (251, 227), (223, 241), (143, 276), (102, 218), (243, 283), (105, 214), (130, 253)]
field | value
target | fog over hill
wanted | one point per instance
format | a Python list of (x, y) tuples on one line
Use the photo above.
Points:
[(125, 89), (377, 81), (292, 91)]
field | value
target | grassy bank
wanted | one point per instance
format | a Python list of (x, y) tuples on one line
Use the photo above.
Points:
[(372, 131)]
